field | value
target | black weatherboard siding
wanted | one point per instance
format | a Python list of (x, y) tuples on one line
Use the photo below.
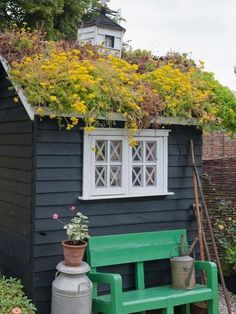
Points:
[(15, 186), (59, 183), (41, 173)]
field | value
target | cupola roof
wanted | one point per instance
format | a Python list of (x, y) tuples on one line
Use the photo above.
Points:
[(103, 20)]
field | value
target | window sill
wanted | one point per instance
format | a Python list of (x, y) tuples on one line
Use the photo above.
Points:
[(103, 197)]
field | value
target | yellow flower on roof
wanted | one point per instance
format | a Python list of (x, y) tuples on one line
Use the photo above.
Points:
[(134, 106), (40, 112), (74, 121), (43, 84), (74, 96), (90, 52), (69, 126), (80, 107), (27, 60), (133, 142), (76, 51), (91, 120), (89, 129), (53, 98), (91, 96)]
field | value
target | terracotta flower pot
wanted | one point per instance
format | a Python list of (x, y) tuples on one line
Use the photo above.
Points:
[(73, 254), (16, 310)]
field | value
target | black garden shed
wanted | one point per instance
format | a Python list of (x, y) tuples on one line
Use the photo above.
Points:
[(43, 171)]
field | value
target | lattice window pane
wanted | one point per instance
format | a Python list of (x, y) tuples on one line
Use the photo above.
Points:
[(116, 151), (137, 152), (150, 176), (101, 150), (137, 176), (115, 176), (150, 151), (100, 176)]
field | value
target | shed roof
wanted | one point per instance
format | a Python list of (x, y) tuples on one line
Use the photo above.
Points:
[(32, 111), (104, 21)]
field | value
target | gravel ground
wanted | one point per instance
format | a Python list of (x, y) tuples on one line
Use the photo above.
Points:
[(222, 305)]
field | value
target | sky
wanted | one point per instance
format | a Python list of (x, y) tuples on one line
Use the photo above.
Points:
[(204, 28)]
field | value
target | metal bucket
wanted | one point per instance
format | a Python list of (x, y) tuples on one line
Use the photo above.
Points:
[(183, 272)]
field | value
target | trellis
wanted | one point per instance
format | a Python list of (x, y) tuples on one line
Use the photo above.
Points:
[(219, 182)]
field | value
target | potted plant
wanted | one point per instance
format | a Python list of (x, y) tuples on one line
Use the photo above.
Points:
[(77, 233), (226, 237)]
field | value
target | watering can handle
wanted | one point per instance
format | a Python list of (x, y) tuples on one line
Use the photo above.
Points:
[(178, 247), (192, 246), (175, 248)]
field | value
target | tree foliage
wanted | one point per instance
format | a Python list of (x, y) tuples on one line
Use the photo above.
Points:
[(59, 18)]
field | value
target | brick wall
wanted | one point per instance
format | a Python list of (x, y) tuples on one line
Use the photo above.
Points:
[(218, 145)]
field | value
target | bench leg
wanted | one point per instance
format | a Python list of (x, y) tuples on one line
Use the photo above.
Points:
[(213, 306), (185, 309), (169, 310)]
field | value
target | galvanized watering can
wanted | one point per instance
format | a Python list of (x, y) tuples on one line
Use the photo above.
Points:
[(183, 269), (183, 272)]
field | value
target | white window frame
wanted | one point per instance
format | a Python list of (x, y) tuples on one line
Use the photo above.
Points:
[(111, 190), (91, 192)]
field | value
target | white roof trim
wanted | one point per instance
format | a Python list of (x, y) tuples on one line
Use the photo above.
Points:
[(32, 111), (175, 121), (125, 132), (28, 108), (119, 117), (111, 117)]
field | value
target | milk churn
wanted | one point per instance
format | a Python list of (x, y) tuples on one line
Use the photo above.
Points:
[(72, 290), (183, 272)]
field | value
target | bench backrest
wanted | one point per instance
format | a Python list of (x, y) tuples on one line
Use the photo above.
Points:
[(133, 247)]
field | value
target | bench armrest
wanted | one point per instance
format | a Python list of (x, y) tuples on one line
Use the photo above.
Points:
[(114, 280), (211, 271)]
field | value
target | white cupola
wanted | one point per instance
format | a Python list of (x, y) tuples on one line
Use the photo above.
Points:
[(102, 31)]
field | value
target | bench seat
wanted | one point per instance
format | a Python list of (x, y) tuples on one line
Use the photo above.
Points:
[(155, 298)]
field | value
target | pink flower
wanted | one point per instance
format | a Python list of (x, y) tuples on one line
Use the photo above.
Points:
[(72, 208), (55, 216)]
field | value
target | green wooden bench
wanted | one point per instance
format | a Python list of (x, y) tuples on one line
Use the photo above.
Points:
[(137, 248)]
